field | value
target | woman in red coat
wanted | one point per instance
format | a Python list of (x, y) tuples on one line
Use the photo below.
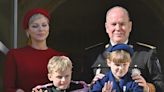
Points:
[(26, 67)]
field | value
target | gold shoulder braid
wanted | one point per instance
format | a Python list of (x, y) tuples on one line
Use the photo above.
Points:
[(107, 45), (146, 45)]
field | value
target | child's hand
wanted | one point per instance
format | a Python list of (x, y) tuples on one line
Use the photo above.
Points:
[(108, 87)]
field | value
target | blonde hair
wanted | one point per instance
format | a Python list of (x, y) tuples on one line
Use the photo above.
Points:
[(35, 17), (119, 56), (59, 64)]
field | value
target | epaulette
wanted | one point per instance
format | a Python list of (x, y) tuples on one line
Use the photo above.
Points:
[(107, 45), (93, 46), (146, 45)]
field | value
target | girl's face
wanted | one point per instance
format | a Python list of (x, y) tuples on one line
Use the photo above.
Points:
[(119, 69), (39, 29), (61, 80)]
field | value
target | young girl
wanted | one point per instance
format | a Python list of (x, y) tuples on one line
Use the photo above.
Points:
[(118, 79)]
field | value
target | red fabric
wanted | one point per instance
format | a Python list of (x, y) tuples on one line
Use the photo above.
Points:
[(26, 67), (33, 12)]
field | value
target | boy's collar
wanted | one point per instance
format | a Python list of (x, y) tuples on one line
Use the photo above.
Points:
[(55, 88)]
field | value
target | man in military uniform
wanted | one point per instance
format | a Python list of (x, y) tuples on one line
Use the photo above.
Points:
[(118, 27)]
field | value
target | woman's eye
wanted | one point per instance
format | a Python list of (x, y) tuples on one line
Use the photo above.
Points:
[(44, 25), (34, 26)]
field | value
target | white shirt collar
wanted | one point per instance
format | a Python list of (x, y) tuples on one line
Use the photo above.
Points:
[(112, 43)]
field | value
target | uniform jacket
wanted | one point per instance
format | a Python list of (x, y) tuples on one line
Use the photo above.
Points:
[(144, 57), (126, 82), (73, 87)]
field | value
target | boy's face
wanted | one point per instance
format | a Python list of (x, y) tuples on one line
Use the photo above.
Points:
[(61, 80), (119, 69)]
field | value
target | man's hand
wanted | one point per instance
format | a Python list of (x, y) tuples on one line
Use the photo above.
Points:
[(97, 77), (141, 82)]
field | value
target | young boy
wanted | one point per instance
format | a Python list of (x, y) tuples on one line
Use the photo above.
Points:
[(59, 72), (119, 78)]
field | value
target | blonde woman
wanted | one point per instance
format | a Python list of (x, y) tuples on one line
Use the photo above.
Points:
[(26, 67)]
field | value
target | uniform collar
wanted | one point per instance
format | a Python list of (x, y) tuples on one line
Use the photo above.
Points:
[(112, 43)]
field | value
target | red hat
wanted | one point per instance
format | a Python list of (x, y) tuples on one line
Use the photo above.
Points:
[(31, 13)]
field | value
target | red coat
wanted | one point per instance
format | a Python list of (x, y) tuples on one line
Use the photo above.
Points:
[(26, 67)]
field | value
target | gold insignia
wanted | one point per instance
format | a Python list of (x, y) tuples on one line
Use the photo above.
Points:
[(131, 46), (93, 46), (146, 45), (107, 45)]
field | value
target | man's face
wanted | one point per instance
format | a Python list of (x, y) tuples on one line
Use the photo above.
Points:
[(118, 25)]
